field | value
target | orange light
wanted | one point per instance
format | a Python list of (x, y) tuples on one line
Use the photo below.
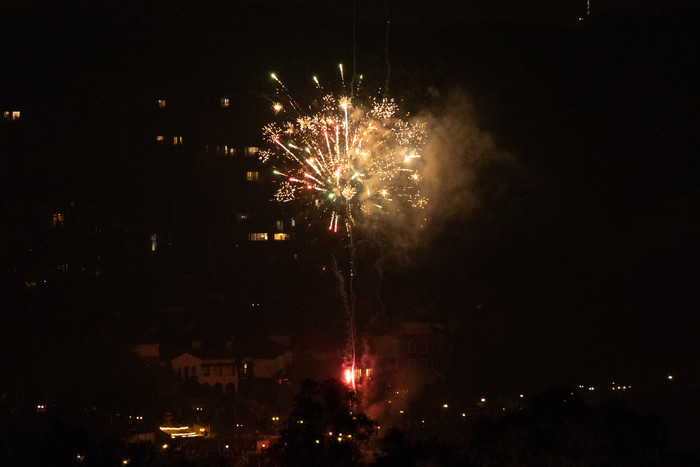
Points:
[(348, 376)]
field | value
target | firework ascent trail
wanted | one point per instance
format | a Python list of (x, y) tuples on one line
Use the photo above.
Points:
[(349, 157)]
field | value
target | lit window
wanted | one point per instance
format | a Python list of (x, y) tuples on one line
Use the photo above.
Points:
[(281, 236), (161, 103), (231, 152), (252, 176), (245, 368), (154, 242), (160, 139), (368, 372), (57, 219), (251, 151), (222, 150), (293, 222), (11, 114), (257, 236), (6, 114), (279, 225), (242, 216), (15, 115), (177, 140), (224, 102)]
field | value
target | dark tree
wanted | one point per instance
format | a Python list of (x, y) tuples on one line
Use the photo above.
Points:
[(560, 429), (326, 427), (398, 450)]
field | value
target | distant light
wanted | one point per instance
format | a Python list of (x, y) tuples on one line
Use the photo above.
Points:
[(463, 414), (444, 406), (317, 441), (521, 395), (165, 446), (483, 399), (670, 377)]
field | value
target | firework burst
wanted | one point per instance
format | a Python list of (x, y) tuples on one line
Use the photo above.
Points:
[(348, 156)]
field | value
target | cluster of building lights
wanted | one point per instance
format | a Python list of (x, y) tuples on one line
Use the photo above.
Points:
[(183, 431)]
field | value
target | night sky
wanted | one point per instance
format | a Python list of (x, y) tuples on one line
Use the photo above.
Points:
[(576, 254)]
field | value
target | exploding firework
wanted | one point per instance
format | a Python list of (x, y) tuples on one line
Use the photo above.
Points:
[(351, 158), (347, 156)]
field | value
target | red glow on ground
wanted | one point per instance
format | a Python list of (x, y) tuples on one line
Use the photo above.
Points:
[(349, 376)]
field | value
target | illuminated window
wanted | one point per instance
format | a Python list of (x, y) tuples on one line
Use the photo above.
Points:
[(15, 115), (245, 368), (292, 222), (279, 225), (242, 216), (231, 152), (57, 219), (11, 114), (257, 236), (368, 372), (252, 176), (222, 150), (281, 236), (177, 140), (251, 151), (161, 103), (154, 242), (6, 114), (224, 102), (160, 139)]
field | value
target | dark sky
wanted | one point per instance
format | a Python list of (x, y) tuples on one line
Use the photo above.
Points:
[(585, 263)]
